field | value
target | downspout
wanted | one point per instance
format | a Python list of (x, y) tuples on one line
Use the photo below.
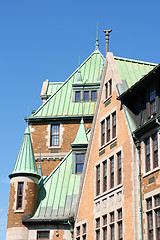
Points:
[(138, 147)]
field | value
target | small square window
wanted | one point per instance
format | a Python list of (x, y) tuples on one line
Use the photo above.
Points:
[(42, 235)]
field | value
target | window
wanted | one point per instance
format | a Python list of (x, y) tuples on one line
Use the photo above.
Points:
[(108, 129), (98, 229), (151, 152), (93, 95), (153, 217), (103, 132), (109, 173), (55, 134), (108, 87), (148, 161), (152, 101), (111, 129), (86, 95), (119, 159), (20, 195), (120, 226), (114, 125), (112, 171), (105, 176), (81, 232), (77, 96), (98, 180), (42, 235), (155, 150), (79, 163)]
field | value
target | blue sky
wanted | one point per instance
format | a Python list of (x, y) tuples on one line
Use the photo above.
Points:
[(44, 39)]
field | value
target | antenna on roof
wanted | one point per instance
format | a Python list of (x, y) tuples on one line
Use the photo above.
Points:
[(107, 38), (97, 40)]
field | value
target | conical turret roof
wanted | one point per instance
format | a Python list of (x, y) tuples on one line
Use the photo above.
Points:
[(25, 163), (81, 138)]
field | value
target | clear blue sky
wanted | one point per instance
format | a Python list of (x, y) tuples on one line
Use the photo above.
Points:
[(43, 39)]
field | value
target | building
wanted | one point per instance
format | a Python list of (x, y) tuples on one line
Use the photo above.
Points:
[(88, 166)]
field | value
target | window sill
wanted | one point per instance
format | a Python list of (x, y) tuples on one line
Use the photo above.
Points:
[(106, 144), (54, 147), (107, 99), (108, 192), (19, 211), (151, 172)]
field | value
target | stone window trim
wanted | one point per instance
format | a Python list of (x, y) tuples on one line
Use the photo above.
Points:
[(145, 154), (20, 195), (117, 174), (110, 128), (60, 135), (81, 230), (151, 210)]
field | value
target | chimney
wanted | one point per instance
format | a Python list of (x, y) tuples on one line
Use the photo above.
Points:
[(107, 38)]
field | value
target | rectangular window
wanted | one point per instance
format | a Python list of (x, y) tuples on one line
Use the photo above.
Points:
[(55, 134), (149, 203), (110, 87), (97, 222), (98, 234), (112, 171), (84, 227), (147, 152), (42, 235), (119, 214), (79, 163), (77, 96), (119, 158), (104, 233), (20, 195), (157, 200), (105, 176), (98, 180), (120, 230), (86, 95), (158, 224), (102, 132), (114, 125), (152, 101), (105, 219), (155, 150), (108, 124), (93, 95), (106, 88), (112, 232), (150, 226), (78, 230)]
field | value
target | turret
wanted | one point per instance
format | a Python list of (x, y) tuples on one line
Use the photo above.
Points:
[(23, 190)]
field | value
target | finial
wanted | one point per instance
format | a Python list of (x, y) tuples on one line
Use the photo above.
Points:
[(78, 77), (107, 38), (28, 117), (97, 40)]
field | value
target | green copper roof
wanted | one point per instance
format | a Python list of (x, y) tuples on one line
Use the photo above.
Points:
[(58, 194), (25, 163), (81, 137), (61, 102), (53, 87), (131, 70)]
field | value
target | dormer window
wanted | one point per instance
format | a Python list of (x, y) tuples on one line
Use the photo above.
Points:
[(152, 101), (79, 162), (93, 95), (77, 96), (86, 95), (108, 89)]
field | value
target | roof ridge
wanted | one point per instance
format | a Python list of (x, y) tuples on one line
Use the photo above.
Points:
[(55, 169), (94, 52), (135, 61)]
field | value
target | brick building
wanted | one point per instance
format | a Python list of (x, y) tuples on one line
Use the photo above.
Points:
[(88, 166)]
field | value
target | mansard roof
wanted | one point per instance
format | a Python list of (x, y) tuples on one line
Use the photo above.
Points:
[(25, 163), (60, 103)]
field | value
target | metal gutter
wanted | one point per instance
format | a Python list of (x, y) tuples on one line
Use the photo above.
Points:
[(50, 118)]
